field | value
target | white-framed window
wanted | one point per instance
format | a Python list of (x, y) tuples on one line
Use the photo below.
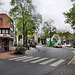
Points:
[(0, 30), (7, 31), (3, 31)]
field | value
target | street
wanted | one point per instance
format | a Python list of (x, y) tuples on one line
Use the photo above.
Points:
[(39, 63)]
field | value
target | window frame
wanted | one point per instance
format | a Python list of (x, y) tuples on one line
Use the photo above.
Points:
[(4, 31), (0, 31), (0, 21)]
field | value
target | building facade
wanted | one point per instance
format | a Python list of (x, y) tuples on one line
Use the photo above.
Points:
[(6, 32)]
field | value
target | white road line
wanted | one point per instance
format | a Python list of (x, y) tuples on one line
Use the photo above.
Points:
[(31, 59), (46, 62), (57, 63), (38, 60), (23, 58), (17, 58)]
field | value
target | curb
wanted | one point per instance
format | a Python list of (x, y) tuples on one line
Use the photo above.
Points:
[(72, 58), (31, 51), (57, 68)]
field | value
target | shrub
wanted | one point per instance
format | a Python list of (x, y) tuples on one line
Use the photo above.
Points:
[(30, 45), (33, 45), (20, 50)]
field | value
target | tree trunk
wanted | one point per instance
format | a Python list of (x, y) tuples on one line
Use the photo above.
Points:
[(24, 34), (26, 37)]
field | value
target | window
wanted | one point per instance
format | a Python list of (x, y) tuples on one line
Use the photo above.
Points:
[(0, 30), (3, 31), (6, 31), (0, 20)]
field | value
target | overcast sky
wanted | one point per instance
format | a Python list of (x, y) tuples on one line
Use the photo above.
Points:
[(50, 9)]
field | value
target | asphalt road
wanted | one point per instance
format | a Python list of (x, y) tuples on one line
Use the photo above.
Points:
[(39, 63)]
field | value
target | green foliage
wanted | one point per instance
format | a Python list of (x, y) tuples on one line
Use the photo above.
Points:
[(70, 17), (20, 50), (48, 29), (31, 36), (32, 45), (26, 19)]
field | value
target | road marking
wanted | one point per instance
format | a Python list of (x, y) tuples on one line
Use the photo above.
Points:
[(57, 63), (72, 58), (38, 60), (17, 58), (23, 58), (31, 59), (46, 62)]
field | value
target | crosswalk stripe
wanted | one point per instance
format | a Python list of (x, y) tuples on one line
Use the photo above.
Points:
[(57, 63), (38, 60), (46, 62), (23, 58), (17, 58), (31, 59)]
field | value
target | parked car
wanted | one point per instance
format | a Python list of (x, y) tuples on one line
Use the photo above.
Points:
[(73, 44), (57, 45)]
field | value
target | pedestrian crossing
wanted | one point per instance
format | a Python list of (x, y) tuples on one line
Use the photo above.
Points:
[(40, 60)]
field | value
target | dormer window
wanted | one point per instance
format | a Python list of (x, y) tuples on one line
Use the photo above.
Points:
[(0, 20)]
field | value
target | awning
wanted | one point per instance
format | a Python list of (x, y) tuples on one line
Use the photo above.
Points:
[(6, 36)]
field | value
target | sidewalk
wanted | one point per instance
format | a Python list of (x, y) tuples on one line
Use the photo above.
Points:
[(31, 51), (68, 69), (7, 55)]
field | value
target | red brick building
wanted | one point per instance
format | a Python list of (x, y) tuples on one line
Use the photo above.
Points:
[(6, 32)]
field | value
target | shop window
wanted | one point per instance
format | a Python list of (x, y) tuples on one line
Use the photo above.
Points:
[(0, 20), (3, 31), (0, 30), (6, 31)]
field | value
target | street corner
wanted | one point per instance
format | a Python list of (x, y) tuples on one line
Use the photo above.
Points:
[(7, 55), (73, 59), (31, 51)]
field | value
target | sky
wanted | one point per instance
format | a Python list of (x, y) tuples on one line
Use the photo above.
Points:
[(49, 9)]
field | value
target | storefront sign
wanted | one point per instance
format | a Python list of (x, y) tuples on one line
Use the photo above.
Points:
[(5, 35)]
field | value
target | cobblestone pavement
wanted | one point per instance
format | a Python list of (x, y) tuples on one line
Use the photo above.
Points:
[(65, 70)]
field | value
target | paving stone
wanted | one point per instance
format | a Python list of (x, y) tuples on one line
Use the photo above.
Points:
[(64, 70)]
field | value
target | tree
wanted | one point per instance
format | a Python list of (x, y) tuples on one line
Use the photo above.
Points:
[(70, 17), (45, 32), (48, 28), (27, 21)]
